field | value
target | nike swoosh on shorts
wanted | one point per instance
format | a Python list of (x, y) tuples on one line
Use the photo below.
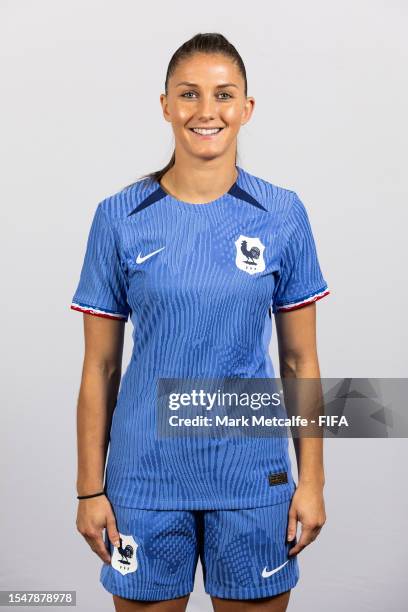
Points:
[(266, 574)]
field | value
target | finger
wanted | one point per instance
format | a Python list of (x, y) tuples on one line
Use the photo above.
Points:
[(292, 526), (113, 533), (97, 544), (304, 540)]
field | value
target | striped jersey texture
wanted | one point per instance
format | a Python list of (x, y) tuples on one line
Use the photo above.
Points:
[(199, 283)]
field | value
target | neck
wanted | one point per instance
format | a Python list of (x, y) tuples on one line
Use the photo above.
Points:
[(199, 182)]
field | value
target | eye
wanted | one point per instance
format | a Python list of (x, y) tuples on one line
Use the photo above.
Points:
[(192, 94)]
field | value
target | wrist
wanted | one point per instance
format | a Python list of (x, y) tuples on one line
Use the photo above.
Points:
[(92, 496), (89, 488), (316, 481)]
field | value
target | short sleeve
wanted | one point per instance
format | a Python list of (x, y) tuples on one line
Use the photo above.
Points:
[(300, 280), (102, 287)]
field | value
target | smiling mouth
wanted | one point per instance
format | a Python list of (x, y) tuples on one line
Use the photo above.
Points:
[(206, 131)]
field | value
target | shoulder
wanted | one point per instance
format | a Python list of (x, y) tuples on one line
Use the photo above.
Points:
[(289, 216), (117, 206), (276, 199)]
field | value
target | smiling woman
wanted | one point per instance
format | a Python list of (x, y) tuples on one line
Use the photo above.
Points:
[(206, 101), (206, 104), (198, 255)]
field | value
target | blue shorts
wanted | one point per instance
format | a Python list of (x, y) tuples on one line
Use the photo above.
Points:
[(244, 553)]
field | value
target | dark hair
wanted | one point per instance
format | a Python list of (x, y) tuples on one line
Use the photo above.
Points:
[(200, 43)]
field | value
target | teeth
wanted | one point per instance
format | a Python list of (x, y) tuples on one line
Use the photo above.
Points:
[(205, 132)]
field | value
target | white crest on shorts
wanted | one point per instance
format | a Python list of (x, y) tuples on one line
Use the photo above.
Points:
[(124, 556), (249, 256)]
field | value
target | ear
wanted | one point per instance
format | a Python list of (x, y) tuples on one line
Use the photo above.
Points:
[(164, 105), (248, 109)]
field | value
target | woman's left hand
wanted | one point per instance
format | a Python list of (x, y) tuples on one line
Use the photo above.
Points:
[(307, 506)]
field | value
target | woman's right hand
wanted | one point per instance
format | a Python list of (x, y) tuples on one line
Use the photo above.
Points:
[(95, 514)]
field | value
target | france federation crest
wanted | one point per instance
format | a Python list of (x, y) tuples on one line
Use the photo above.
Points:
[(249, 256), (124, 556)]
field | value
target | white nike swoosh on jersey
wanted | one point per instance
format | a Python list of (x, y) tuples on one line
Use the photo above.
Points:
[(140, 259), (266, 574)]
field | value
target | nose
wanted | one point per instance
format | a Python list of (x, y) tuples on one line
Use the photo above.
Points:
[(206, 108)]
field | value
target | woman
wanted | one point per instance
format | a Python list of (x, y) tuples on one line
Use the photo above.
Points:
[(198, 254)]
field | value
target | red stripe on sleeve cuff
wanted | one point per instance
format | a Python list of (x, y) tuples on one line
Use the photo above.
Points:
[(309, 300), (97, 312)]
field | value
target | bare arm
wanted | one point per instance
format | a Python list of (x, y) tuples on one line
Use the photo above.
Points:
[(100, 381), (296, 331), (298, 358)]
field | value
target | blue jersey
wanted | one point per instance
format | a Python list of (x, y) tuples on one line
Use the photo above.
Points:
[(199, 282)]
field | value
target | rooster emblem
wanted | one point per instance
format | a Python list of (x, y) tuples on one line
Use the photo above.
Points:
[(124, 556), (249, 257)]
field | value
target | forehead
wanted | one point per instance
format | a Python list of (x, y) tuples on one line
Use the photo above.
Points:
[(204, 68)]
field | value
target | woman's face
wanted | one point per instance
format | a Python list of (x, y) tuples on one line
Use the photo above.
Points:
[(206, 91)]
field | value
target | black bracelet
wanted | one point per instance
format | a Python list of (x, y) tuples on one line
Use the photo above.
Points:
[(87, 496)]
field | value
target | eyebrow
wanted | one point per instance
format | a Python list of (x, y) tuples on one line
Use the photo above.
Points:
[(195, 84)]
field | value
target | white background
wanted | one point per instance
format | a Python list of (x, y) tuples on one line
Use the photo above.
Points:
[(80, 119)]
